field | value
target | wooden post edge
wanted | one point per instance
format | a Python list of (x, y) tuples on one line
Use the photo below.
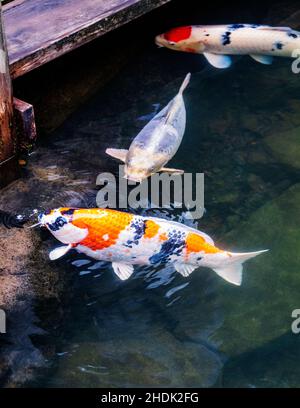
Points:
[(24, 123), (25, 126)]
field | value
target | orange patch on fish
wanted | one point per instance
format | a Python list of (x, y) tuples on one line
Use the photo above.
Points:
[(196, 243), (151, 229), (192, 50), (163, 237), (104, 226)]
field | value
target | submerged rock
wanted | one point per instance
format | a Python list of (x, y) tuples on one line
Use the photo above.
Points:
[(260, 310), (276, 364), (25, 277), (157, 360), (285, 147), (136, 337)]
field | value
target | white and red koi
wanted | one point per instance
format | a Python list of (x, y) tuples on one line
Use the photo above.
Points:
[(218, 42), (157, 142), (126, 239)]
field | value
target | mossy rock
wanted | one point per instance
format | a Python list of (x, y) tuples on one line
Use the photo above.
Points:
[(285, 146), (260, 310), (150, 360)]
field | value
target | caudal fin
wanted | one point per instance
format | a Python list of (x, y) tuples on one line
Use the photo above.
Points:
[(184, 83), (232, 269)]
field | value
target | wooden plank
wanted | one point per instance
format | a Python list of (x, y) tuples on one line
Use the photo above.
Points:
[(39, 31), (25, 125), (7, 139)]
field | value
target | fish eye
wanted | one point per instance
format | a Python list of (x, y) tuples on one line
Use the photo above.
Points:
[(40, 216), (60, 221), (171, 43)]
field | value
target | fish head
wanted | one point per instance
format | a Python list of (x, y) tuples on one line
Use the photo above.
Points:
[(180, 39), (141, 164), (137, 170), (59, 223)]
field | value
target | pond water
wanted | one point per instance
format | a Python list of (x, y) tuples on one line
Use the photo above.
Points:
[(158, 328)]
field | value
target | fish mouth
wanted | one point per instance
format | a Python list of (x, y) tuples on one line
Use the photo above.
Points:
[(159, 41), (135, 178)]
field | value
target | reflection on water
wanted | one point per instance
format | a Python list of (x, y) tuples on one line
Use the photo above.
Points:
[(159, 329)]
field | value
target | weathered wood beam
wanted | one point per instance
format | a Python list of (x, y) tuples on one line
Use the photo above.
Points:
[(8, 167), (25, 125), (7, 142), (39, 31)]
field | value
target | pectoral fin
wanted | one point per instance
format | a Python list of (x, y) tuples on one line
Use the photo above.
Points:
[(119, 154), (123, 271), (218, 60), (174, 171), (184, 269), (59, 252), (263, 59)]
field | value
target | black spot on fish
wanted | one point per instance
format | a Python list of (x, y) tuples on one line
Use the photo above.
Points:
[(226, 38), (128, 243), (199, 258), (58, 224), (138, 226), (173, 246), (236, 26), (70, 211), (278, 45), (292, 35)]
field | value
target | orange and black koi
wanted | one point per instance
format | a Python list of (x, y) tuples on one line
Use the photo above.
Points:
[(126, 239)]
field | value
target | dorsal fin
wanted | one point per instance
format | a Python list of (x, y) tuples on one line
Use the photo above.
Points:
[(207, 238), (270, 28)]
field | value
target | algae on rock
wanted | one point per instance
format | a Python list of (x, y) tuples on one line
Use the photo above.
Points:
[(260, 310)]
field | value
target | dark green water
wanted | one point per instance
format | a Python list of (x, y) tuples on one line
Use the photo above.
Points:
[(159, 329)]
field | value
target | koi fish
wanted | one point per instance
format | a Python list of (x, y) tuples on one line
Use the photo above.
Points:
[(157, 142), (218, 42), (126, 240)]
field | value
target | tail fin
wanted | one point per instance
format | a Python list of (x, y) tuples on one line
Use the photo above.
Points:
[(233, 268), (184, 83)]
